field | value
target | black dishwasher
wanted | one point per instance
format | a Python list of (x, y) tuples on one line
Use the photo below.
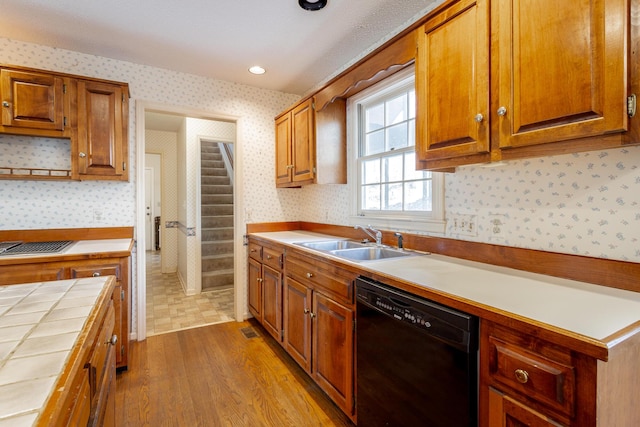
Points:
[(417, 361)]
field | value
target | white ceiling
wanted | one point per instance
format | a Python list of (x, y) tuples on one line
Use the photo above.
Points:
[(220, 39)]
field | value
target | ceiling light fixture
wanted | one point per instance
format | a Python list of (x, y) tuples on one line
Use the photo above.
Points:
[(312, 4), (256, 69)]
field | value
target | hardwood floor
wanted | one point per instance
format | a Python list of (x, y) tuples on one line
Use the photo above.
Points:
[(216, 376)]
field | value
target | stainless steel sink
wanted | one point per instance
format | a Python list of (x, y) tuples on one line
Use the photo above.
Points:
[(370, 253), (332, 245)]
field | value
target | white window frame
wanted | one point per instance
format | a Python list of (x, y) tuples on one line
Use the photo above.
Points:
[(431, 223)]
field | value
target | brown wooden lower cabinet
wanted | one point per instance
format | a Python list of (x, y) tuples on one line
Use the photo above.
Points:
[(506, 412), (86, 394), (47, 271), (309, 310)]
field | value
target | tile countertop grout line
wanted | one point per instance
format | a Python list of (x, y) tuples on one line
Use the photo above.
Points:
[(26, 336)]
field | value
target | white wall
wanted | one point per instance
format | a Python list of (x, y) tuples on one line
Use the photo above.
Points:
[(165, 143)]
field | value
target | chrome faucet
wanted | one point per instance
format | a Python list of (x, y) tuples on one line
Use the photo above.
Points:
[(371, 232)]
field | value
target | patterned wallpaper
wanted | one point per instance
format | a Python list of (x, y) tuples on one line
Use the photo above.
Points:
[(584, 204)]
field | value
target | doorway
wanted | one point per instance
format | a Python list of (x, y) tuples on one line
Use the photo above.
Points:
[(177, 228)]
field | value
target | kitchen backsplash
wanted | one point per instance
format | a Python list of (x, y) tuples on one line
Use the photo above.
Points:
[(583, 204)]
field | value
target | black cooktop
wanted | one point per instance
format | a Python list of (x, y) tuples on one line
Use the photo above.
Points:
[(29, 248)]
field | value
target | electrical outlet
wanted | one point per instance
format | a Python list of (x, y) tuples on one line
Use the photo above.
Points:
[(463, 224), (497, 225), (97, 215)]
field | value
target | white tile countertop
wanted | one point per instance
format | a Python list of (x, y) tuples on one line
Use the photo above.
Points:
[(592, 311), (40, 324)]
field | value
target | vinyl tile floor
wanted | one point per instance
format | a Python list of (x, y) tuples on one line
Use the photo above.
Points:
[(169, 309)]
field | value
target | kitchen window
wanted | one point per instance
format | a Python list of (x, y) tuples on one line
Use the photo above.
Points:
[(386, 188)]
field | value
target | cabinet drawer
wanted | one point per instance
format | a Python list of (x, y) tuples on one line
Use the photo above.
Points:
[(98, 362), (96, 270), (16, 274), (255, 251), (272, 258), (541, 372), (320, 275)]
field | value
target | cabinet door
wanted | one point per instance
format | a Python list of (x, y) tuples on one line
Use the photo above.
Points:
[(32, 100), (102, 141), (284, 163), (561, 69), (303, 142), (255, 289), (120, 299), (452, 82), (333, 350), (297, 322), (272, 302), (506, 412)]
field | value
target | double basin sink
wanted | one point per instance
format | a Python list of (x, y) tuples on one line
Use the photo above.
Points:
[(356, 251)]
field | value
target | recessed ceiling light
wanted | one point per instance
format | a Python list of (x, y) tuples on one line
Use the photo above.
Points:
[(256, 69), (312, 4)]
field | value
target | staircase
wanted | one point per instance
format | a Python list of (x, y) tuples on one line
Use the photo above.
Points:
[(217, 219)]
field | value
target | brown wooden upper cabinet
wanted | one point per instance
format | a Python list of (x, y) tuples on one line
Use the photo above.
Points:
[(311, 145), (33, 100), (93, 114), (503, 79), (103, 111), (295, 146)]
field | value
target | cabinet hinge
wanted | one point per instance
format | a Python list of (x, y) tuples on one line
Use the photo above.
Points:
[(64, 121), (64, 88), (123, 97), (313, 105), (122, 295), (281, 334), (121, 350), (631, 105), (124, 166), (245, 240)]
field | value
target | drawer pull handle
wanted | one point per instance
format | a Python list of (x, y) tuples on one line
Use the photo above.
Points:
[(113, 340), (96, 274), (522, 376), (252, 250), (309, 275), (269, 257)]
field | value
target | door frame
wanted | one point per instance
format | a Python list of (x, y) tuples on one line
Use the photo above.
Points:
[(238, 207)]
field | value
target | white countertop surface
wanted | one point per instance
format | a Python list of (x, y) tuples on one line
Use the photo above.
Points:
[(39, 325), (593, 311), (81, 247)]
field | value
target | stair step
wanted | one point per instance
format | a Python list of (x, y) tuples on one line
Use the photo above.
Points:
[(216, 199), (213, 172), (216, 189), (211, 210), (213, 164), (215, 180), (212, 263), (223, 279), (217, 248), (205, 148), (212, 234), (217, 221), (211, 156)]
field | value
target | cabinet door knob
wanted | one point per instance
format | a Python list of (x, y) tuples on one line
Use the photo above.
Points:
[(259, 279), (5, 104), (312, 315), (478, 118), (82, 155), (502, 111), (269, 257), (522, 376), (113, 340), (96, 274), (306, 311), (309, 275)]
